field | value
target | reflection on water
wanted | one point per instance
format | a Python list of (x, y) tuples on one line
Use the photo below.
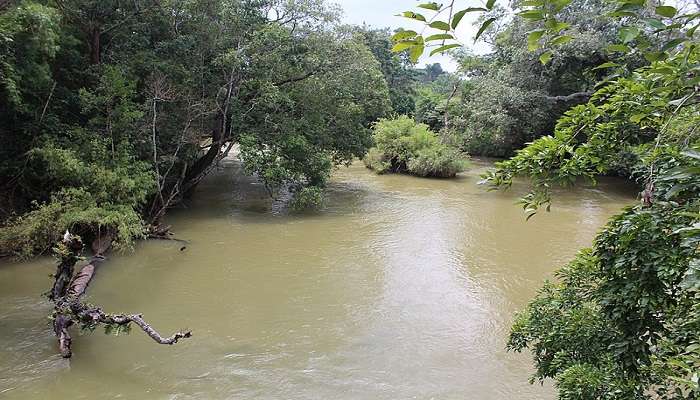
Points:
[(402, 288)]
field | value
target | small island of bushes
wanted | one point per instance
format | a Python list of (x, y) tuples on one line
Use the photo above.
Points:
[(403, 145)]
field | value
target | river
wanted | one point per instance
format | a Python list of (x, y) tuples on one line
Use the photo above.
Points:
[(402, 288)]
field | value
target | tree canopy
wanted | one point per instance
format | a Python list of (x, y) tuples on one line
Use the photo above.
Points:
[(112, 112)]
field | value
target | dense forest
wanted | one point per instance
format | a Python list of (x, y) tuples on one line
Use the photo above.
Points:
[(113, 112)]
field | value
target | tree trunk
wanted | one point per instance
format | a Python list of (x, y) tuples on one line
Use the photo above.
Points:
[(95, 36), (69, 310)]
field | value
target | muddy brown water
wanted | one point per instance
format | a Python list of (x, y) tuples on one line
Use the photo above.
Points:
[(402, 288)]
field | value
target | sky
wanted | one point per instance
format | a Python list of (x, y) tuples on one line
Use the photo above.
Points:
[(382, 14)]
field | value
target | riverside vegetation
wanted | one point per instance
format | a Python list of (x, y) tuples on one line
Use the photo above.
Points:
[(113, 112), (622, 320)]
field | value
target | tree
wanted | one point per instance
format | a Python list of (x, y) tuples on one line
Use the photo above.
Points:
[(397, 68)]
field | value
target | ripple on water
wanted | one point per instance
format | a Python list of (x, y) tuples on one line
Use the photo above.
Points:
[(401, 288)]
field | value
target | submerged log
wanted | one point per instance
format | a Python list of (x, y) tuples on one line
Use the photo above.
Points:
[(68, 289)]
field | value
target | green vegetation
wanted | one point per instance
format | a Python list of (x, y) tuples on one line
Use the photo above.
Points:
[(404, 146), (632, 300), (622, 320), (113, 112)]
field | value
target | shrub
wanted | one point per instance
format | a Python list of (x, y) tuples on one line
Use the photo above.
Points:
[(404, 146), (85, 196), (70, 209), (307, 198), (376, 161), (437, 161)]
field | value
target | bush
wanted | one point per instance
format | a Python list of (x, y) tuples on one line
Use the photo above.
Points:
[(307, 198), (84, 194), (437, 161), (404, 146), (375, 160), (70, 209)]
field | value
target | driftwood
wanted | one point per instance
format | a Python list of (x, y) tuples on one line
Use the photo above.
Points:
[(68, 289), (162, 232)]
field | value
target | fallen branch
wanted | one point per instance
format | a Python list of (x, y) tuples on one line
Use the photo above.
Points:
[(68, 289), (162, 232)]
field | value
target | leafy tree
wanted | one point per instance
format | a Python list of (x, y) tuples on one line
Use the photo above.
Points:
[(397, 68), (432, 72)]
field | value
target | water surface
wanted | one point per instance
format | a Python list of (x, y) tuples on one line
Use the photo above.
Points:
[(402, 288)]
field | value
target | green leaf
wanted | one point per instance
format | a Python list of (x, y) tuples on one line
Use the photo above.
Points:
[(401, 46), (559, 40), (401, 35), (628, 7), (532, 14), (560, 4), (444, 48), (666, 11), (652, 56), (559, 26), (628, 33), (484, 26), (430, 6), (460, 14), (621, 48), (655, 23), (533, 39), (531, 3), (637, 118), (415, 52), (545, 57), (412, 15), (490, 4), (691, 31), (607, 65), (444, 26), (672, 44), (622, 14), (439, 36)]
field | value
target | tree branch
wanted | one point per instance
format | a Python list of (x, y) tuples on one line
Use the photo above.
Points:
[(68, 309), (298, 78), (578, 98)]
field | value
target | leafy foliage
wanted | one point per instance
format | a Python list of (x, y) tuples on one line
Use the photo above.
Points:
[(615, 129), (633, 297), (397, 68), (307, 198), (404, 146), (71, 209), (131, 104)]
